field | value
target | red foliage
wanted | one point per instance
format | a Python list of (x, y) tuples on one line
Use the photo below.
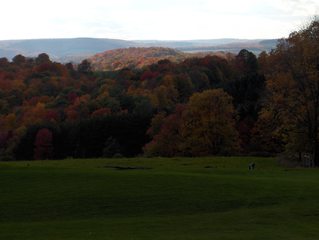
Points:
[(101, 112), (72, 97), (44, 67), (149, 75), (52, 115), (166, 142)]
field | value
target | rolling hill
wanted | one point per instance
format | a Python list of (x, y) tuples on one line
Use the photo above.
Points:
[(77, 49), (63, 50), (138, 57), (133, 57)]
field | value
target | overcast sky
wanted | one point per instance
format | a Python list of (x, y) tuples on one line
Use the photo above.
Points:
[(154, 19)]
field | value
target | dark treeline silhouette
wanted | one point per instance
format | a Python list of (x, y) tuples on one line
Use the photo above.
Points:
[(123, 135)]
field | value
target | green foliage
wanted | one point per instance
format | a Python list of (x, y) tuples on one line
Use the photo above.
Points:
[(142, 106), (84, 67), (246, 62), (43, 58), (19, 59), (184, 86)]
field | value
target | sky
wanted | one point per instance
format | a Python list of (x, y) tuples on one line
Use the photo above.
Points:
[(154, 19)]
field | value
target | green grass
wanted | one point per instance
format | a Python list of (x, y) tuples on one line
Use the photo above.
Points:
[(178, 198)]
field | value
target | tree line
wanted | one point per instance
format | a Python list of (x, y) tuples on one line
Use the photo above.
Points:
[(241, 104)]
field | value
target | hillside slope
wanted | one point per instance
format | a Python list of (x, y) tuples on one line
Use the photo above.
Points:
[(135, 57)]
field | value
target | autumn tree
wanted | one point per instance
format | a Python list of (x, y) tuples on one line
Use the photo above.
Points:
[(184, 87), (246, 62), (4, 62), (247, 89), (85, 67), (166, 134), (19, 59), (43, 58), (208, 126), (204, 126), (293, 88)]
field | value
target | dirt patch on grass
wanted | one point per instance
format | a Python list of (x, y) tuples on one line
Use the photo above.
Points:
[(127, 167)]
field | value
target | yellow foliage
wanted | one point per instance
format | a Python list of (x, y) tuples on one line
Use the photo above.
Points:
[(208, 125)]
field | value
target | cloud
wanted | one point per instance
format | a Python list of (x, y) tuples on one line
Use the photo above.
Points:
[(299, 7), (153, 19)]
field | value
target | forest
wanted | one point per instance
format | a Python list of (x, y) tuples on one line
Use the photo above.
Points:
[(241, 105)]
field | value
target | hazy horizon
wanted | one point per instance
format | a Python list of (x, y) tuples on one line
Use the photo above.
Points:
[(142, 40), (168, 20)]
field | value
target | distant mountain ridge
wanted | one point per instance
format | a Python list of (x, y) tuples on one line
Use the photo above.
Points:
[(77, 49), (198, 43), (72, 49)]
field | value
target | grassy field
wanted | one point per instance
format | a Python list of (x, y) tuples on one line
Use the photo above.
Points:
[(156, 198)]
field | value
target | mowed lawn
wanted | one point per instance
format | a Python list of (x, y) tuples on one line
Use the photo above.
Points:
[(157, 198)]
